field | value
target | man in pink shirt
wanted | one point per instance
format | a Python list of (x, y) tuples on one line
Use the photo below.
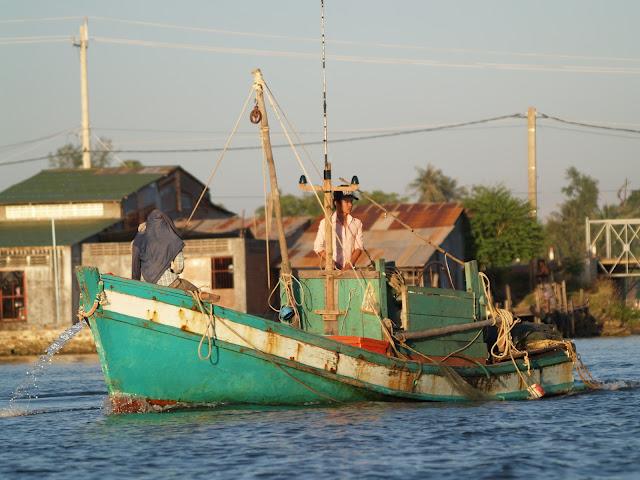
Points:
[(347, 233)]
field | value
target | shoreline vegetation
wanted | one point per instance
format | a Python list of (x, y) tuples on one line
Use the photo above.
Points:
[(613, 317)]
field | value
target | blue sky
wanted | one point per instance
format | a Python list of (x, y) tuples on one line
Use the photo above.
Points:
[(391, 66)]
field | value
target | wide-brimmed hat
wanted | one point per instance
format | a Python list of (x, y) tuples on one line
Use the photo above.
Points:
[(339, 194)]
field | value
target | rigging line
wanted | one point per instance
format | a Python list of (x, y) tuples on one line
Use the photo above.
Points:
[(587, 125), (365, 44), (542, 68), (108, 148), (267, 220), (226, 146), (291, 127), (410, 228), (295, 152)]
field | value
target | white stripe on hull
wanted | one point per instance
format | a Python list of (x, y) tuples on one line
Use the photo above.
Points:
[(318, 357)]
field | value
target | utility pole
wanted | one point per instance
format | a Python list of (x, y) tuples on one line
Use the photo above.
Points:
[(533, 188), (84, 94)]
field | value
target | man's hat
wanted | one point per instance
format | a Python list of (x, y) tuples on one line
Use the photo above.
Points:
[(339, 194)]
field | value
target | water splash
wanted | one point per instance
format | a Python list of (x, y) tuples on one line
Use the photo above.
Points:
[(28, 389), (620, 385)]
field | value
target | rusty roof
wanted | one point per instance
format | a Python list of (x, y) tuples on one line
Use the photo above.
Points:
[(232, 226), (384, 237)]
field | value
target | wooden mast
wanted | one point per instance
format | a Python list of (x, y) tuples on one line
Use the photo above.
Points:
[(285, 264)]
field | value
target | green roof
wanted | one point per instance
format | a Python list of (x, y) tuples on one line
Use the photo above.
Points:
[(80, 185), (38, 233)]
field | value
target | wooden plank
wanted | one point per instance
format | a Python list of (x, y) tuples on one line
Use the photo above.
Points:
[(444, 292), (346, 274), (440, 306)]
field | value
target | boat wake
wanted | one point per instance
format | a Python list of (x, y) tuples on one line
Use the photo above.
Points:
[(614, 385), (15, 411)]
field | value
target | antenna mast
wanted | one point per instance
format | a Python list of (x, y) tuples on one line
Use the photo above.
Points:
[(324, 92)]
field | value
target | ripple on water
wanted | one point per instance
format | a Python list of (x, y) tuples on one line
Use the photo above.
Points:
[(591, 435)]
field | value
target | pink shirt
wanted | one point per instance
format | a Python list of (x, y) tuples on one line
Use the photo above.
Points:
[(350, 236)]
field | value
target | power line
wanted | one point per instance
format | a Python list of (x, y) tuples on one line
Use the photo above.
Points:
[(345, 140), (588, 132), (24, 160), (361, 43), (41, 19), (588, 125), (36, 140), (374, 60), (283, 145), (339, 140), (37, 39)]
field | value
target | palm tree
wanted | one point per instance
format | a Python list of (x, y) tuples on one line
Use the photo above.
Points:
[(431, 185)]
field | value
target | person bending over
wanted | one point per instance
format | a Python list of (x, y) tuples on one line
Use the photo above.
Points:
[(157, 253)]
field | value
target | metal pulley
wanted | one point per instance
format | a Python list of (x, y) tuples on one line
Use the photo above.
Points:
[(256, 115)]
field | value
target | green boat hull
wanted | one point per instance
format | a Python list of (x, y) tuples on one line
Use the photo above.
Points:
[(153, 344)]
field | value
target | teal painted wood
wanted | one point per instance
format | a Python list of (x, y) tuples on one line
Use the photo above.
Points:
[(181, 299), (156, 361), (472, 280), (350, 296), (147, 360), (137, 363)]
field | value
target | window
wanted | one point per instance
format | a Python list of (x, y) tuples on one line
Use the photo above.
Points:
[(222, 272), (12, 301)]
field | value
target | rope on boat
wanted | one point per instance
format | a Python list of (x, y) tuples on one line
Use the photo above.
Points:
[(224, 150), (504, 348), (210, 333), (581, 369)]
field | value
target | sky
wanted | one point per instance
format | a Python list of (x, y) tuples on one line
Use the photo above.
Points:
[(166, 75)]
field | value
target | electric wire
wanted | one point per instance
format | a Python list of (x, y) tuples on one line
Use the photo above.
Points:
[(298, 39), (582, 69)]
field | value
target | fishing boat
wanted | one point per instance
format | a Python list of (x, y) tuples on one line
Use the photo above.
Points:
[(350, 335)]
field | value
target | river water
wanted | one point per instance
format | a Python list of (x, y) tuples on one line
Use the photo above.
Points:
[(66, 432)]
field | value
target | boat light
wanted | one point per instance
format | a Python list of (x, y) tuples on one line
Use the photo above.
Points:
[(354, 180), (303, 180)]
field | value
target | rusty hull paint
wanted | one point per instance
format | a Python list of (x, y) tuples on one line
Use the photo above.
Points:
[(353, 370)]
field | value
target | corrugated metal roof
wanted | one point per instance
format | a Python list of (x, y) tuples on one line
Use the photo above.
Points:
[(82, 185), (386, 238), (36, 234), (233, 226)]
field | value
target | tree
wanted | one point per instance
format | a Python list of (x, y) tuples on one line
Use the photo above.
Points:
[(132, 164), (70, 156), (307, 204), (629, 206), (566, 227), (431, 185), (293, 205), (381, 197), (502, 228)]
